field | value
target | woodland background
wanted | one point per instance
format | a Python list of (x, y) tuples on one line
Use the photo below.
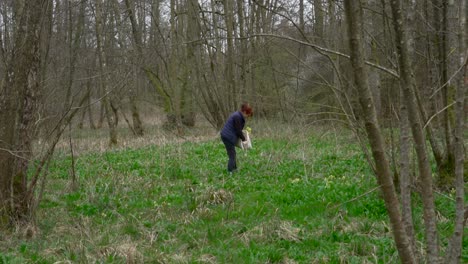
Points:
[(394, 73)]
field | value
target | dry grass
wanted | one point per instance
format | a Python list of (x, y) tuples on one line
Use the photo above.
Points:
[(215, 197), (89, 140), (272, 230), (208, 259), (126, 250)]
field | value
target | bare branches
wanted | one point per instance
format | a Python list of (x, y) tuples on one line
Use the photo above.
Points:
[(329, 51)]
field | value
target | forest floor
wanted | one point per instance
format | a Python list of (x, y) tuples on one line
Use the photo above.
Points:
[(301, 195)]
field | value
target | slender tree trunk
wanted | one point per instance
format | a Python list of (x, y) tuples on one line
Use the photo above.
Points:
[(406, 180), (74, 43), (243, 49), (354, 16), (210, 85), (102, 113), (446, 94), (231, 83), (111, 122), (407, 83), (138, 46), (173, 103), (431, 105), (442, 96), (90, 114), (88, 107), (155, 20), (193, 68), (83, 109), (318, 20), (453, 254)]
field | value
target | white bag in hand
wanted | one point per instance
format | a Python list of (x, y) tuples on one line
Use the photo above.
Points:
[(247, 144)]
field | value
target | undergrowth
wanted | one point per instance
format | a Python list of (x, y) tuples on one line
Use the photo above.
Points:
[(295, 199)]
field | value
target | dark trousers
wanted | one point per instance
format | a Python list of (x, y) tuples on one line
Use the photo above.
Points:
[(231, 152)]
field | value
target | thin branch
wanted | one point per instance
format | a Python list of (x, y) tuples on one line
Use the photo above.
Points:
[(319, 49), (436, 114), (451, 78), (14, 154), (382, 68), (355, 198), (444, 195)]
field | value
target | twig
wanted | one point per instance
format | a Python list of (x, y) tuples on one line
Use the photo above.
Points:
[(72, 157), (450, 79), (14, 154), (436, 114), (384, 69), (355, 198)]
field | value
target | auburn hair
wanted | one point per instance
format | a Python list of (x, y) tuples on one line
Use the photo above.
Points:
[(247, 109)]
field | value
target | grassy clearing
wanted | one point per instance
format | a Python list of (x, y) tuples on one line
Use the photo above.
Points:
[(291, 202)]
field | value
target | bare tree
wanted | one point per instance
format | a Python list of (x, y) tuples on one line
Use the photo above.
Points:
[(137, 45), (111, 122), (354, 16), (407, 83)]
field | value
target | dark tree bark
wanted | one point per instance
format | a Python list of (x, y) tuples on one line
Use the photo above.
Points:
[(18, 105)]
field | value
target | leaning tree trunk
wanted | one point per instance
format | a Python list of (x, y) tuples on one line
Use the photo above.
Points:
[(384, 175)]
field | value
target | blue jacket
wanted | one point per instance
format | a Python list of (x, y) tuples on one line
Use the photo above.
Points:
[(232, 129)]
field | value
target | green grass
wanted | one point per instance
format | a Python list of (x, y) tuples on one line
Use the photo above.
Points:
[(290, 202)]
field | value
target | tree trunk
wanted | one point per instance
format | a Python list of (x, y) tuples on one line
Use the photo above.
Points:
[(455, 246), (231, 83), (443, 96), (137, 44), (74, 44), (406, 180), (18, 104), (318, 21), (192, 79), (446, 94), (433, 78), (173, 114), (354, 16), (212, 99), (155, 20), (111, 122), (243, 49), (407, 83)]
